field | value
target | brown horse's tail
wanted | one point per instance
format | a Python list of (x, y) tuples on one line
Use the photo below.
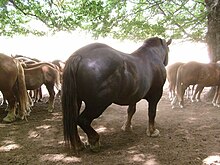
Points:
[(179, 84), (69, 101), (22, 92), (58, 80)]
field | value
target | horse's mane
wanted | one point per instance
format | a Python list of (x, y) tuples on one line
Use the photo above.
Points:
[(148, 43), (21, 56), (155, 41)]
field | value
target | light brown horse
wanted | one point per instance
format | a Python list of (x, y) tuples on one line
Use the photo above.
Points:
[(171, 77), (12, 85), (43, 74), (192, 73), (60, 64)]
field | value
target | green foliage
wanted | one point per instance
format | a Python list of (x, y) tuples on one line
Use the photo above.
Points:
[(121, 19)]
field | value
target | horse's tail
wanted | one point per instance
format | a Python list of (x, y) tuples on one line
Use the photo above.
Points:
[(69, 101), (180, 85), (58, 80), (22, 91)]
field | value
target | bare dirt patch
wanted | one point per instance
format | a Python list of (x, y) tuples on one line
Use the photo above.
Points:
[(188, 136)]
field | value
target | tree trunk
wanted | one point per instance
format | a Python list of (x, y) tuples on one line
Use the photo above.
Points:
[(213, 34)]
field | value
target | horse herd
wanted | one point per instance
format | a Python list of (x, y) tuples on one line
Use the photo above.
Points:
[(197, 75), (20, 74), (100, 75)]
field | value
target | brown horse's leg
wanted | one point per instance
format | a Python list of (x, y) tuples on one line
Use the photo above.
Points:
[(40, 95), (181, 95), (11, 116), (195, 93), (50, 89), (215, 100), (198, 98), (153, 98), (130, 111), (152, 131)]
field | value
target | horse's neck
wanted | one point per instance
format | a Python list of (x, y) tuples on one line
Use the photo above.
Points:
[(140, 51)]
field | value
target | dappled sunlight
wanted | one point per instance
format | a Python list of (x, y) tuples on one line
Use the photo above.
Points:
[(101, 129), (60, 157), (2, 125), (33, 134), (9, 145), (138, 157), (44, 126), (212, 160), (56, 117), (191, 119), (146, 159)]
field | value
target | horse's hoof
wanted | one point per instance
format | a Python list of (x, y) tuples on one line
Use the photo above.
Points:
[(95, 147), (19, 116), (126, 128), (50, 110), (9, 118), (173, 107), (156, 133)]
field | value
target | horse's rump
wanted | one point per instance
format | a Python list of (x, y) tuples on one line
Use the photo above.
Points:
[(12, 85), (40, 74)]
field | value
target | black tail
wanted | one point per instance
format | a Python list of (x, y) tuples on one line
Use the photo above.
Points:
[(69, 101)]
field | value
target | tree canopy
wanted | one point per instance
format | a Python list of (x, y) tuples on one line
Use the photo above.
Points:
[(120, 19)]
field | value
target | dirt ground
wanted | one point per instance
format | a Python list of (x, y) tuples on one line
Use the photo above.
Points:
[(187, 136)]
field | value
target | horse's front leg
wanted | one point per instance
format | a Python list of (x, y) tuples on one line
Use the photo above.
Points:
[(152, 131), (130, 111), (153, 99)]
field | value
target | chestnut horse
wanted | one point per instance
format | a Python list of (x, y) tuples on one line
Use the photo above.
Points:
[(60, 64), (43, 73), (13, 88), (99, 75), (171, 77), (192, 73)]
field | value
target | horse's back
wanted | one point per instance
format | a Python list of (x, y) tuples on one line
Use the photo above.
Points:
[(100, 72), (103, 72), (198, 73)]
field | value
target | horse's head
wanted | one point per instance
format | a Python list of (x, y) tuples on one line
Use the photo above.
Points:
[(161, 45), (165, 45)]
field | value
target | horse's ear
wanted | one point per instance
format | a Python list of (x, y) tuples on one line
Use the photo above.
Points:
[(169, 41)]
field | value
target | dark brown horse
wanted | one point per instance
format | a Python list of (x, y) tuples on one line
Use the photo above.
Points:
[(40, 74), (12, 85), (192, 73), (100, 75)]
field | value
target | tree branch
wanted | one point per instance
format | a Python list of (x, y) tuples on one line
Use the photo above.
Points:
[(27, 13)]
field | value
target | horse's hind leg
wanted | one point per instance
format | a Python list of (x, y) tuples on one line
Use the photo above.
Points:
[(84, 121), (131, 110), (51, 91), (11, 116)]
